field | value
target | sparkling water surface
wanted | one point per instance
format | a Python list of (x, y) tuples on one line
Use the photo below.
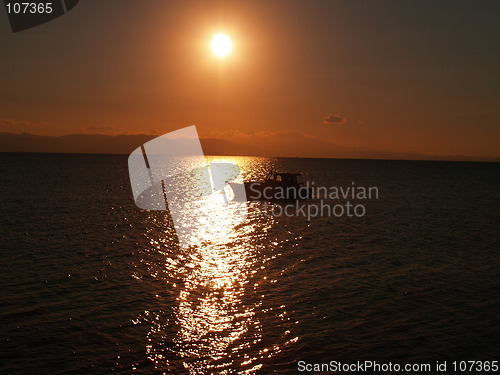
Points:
[(92, 285)]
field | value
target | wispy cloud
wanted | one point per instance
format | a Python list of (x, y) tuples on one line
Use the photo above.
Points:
[(19, 124), (335, 119), (99, 128)]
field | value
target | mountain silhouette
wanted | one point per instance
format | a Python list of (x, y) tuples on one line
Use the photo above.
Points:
[(276, 145)]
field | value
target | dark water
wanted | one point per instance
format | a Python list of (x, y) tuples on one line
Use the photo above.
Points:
[(92, 285)]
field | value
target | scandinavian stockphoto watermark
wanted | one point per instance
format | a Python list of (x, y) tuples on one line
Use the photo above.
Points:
[(315, 201)]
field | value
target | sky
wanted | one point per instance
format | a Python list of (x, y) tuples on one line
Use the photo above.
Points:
[(399, 76)]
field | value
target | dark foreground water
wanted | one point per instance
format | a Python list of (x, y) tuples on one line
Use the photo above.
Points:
[(92, 285)]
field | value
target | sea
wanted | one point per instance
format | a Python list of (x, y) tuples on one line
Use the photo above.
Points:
[(91, 284)]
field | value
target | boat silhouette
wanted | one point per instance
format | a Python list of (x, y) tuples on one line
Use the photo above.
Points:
[(277, 186)]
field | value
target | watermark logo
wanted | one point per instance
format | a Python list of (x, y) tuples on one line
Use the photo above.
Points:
[(170, 172), (24, 15)]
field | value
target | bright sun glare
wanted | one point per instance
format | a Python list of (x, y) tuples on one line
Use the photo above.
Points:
[(221, 45)]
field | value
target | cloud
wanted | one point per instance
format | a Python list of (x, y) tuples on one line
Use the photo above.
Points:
[(248, 134), (227, 133), (9, 122), (99, 128), (142, 132), (335, 119), (288, 134)]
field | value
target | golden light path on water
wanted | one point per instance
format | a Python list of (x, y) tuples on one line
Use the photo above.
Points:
[(215, 323)]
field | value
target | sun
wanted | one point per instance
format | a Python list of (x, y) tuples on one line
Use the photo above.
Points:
[(221, 45)]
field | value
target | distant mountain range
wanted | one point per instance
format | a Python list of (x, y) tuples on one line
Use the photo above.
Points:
[(278, 145)]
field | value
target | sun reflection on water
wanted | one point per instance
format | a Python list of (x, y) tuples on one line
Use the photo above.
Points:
[(213, 321)]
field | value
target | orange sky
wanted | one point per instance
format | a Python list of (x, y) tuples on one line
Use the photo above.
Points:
[(395, 76)]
